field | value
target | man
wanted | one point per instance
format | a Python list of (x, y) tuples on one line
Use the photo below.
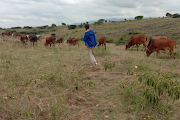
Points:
[(90, 42)]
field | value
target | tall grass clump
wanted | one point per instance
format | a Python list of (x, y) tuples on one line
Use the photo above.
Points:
[(100, 51)]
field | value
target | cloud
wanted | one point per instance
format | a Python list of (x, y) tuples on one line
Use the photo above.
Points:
[(46, 12)]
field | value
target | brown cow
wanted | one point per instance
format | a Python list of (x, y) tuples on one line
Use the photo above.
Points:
[(161, 44), (50, 40), (156, 37), (137, 39), (60, 40), (102, 41), (17, 34), (73, 41), (6, 34), (24, 39)]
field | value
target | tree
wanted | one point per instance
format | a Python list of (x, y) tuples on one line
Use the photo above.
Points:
[(101, 20), (53, 25), (63, 24), (168, 14), (176, 15), (138, 18)]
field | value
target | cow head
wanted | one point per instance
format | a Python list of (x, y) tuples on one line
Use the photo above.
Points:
[(127, 46), (148, 52)]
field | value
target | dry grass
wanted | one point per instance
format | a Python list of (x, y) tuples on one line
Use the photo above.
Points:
[(56, 83)]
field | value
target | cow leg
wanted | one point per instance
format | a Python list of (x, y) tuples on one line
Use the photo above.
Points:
[(144, 46), (137, 46), (170, 52), (33, 43), (132, 45), (158, 52), (50, 45), (174, 53)]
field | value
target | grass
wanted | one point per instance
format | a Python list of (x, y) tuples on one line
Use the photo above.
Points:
[(56, 83)]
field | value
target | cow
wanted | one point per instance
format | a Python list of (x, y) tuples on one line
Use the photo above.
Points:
[(60, 40), (17, 34), (32, 38), (161, 44), (6, 34), (24, 39), (50, 40), (137, 39), (102, 41), (73, 41), (156, 37)]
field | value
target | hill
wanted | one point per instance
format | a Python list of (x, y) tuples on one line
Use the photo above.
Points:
[(39, 82), (116, 32)]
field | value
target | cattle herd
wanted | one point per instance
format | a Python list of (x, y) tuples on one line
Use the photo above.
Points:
[(156, 43)]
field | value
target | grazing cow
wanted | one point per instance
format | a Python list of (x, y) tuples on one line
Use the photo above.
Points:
[(24, 39), (60, 40), (161, 44), (50, 40), (33, 38), (156, 37), (17, 34), (102, 41), (137, 39), (6, 34), (73, 41)]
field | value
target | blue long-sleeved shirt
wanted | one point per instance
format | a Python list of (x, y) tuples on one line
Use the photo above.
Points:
[(90, 38)]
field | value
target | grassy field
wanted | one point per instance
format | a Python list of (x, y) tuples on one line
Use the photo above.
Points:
[(43, 83)]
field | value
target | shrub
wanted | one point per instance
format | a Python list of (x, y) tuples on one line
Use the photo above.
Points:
[(16, 28), (53, 25), (176, 15), (53, 34), (27, 27), (72, 27), (138, 18), (109, 41)]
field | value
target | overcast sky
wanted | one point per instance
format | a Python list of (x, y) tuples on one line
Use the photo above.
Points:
[(21, 13)]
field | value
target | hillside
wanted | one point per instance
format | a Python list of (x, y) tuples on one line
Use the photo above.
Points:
[(43, 83), (117, 32)]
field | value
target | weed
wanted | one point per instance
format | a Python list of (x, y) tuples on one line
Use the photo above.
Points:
[(109, 65)]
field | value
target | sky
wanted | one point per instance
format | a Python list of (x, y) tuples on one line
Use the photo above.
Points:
[(20, 13)]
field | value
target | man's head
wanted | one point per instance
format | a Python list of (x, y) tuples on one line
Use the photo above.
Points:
[(86, 26)]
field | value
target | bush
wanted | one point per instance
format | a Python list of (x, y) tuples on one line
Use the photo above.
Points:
[(138, 18), (72, 27), (27, 27), (134, 33), (176, 15), (16, 28), (53, 25), (53, 34), (42, 27), (109, 41)]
